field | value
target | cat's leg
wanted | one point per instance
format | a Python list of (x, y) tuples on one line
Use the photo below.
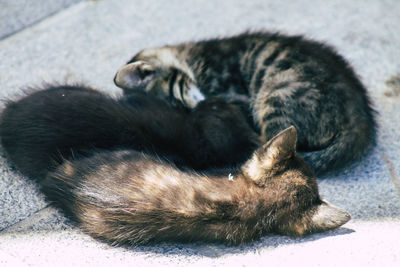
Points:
[(167, 82)]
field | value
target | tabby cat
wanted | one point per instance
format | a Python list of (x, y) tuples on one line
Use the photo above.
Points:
[(129, 198), (280, 80), (42, 129)]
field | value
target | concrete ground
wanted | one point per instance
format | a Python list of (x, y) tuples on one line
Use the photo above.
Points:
[(87, 41)]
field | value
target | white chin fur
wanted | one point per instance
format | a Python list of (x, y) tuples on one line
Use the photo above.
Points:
[(193, 96)]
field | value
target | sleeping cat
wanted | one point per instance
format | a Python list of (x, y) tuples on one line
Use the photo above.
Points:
[(134, 197), (280, 80), (125, 197), (42, 129)]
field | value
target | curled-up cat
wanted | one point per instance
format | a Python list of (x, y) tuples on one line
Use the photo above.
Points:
[(42, 129), (126, 197), (282, 80)]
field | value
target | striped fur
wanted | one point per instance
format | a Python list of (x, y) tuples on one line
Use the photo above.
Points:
[(280, 80)]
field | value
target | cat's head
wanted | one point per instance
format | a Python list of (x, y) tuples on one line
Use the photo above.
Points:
[(159, 72), (288, 182)]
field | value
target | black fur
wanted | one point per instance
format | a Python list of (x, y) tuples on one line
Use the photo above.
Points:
[(61, 122)]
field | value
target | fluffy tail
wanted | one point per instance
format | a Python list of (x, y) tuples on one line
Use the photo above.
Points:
[(348, 147)]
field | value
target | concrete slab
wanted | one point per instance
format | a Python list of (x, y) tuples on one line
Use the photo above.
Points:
[(89, 41), (16, 15)]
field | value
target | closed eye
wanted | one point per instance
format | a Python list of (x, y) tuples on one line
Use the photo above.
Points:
[(181, 85), (171, 85)]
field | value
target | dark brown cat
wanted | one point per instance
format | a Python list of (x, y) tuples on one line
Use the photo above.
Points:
[(281, 81), (127, 197)]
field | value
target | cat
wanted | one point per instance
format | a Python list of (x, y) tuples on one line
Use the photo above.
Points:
[(44, 128), (279, 80), (126, 197)]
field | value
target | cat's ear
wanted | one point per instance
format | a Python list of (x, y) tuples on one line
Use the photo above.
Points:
[(279, 148), (327, 216), (135, 75), (321, 218)]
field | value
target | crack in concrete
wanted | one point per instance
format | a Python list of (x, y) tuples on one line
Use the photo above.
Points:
[(392, 172)]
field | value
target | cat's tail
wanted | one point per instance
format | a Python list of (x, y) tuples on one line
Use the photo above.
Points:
[(348, 146)]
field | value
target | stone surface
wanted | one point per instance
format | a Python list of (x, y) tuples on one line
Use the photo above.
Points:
[(89, 41), (16, 15)]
